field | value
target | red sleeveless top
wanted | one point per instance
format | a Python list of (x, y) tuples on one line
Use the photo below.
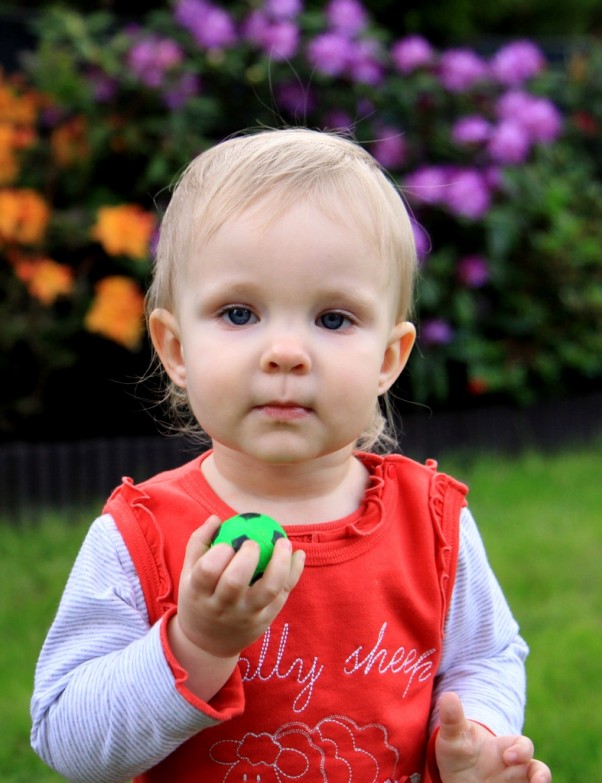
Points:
[(339, 688)]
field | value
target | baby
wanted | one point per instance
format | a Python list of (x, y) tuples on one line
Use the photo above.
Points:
[(377, 646)]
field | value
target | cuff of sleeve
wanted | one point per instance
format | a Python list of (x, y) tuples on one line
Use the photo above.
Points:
[(226, 704)]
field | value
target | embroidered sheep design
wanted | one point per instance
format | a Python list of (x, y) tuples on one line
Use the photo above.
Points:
[(336, 750)]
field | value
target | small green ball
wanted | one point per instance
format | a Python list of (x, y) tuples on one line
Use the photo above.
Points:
[(258, 527)]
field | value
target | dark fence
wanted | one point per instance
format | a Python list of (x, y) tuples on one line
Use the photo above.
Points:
[(79, 475)]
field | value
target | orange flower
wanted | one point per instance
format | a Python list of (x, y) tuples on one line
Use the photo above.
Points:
[(45, 279), (18, 103), (69, 142), (124, 230), (9, 168), (117, 310), (18, 116), (24, 216)]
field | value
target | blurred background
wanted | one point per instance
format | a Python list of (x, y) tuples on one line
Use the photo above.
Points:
[(487, 115)]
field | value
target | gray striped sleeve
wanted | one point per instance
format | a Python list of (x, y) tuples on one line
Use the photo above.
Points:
[(484, 655), (105, 706)]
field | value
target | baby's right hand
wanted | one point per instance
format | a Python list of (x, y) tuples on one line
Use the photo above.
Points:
[(219, 614)]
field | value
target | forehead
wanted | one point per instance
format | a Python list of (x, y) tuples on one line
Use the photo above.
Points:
[(364, 201), (301, 235), (300, 255), (302, 232), (284, 206)]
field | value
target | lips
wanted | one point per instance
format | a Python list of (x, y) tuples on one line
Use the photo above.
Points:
[(283, 411)]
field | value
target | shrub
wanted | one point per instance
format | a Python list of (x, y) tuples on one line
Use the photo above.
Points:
[(498, 156)]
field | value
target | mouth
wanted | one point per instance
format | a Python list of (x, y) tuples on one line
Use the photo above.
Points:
[(283, 411)]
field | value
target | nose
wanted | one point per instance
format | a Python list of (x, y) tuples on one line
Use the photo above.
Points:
[(286, 353)]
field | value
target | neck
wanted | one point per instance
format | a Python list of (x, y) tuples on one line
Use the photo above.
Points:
[(320, 490)]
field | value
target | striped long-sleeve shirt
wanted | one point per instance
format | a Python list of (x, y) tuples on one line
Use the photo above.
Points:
[(105, 707)]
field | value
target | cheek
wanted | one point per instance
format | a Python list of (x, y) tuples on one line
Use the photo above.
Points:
[(216, 377), (354, 381)]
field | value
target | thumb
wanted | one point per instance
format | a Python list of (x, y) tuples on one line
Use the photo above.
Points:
[(454, 746), (453, 723), (200, 541)]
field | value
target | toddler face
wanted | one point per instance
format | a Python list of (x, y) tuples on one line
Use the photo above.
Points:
[(287, 334)]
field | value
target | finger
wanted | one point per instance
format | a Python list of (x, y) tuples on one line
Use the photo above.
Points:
[(200, 541), (197, 575), (207, 571), (279, 566), (538, 772), (280, 577), (297, 566), (519, 752), (454, 725), (237, 576)]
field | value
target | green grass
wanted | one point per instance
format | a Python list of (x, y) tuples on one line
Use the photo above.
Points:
[(541, 520), (35, 560), (540, 517)]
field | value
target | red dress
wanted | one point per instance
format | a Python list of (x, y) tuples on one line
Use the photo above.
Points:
[(339, 688)]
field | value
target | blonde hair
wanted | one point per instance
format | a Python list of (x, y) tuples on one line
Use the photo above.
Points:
[(284, 166)]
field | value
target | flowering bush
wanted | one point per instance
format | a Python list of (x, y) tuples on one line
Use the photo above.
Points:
[(497, 154)]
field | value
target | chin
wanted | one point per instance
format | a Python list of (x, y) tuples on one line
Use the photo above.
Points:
[(300, 453), (285, 448)]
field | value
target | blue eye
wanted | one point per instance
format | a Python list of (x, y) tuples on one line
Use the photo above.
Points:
[(238, 316), (333, 320)]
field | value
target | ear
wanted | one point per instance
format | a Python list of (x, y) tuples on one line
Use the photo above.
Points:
[(399, 346), (165, 334)]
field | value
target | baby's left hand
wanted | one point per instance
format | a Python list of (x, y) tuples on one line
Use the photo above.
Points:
[(468, 753)]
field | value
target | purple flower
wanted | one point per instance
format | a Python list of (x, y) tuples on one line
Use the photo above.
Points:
[(461, 69), (152, 57), (255, 26), (542, 121), (177, 94), (272, 31), (281, 40), (168, 54), (346, 16), (517, 62), (509, 143), (365, 107), (365, 63), (282, 9), (51, 116), (421, 239), (104, 87), (512, 104), (330, 53), (472, 129), (436, 331), (296, 99), (493, 177), (210, 26), (539, 117), (411, 53), (427, 184), (473, 271), (390, 150), (337, 119), (468, 194)]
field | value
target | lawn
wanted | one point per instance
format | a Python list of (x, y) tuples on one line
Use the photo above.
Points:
[(541, 518)]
